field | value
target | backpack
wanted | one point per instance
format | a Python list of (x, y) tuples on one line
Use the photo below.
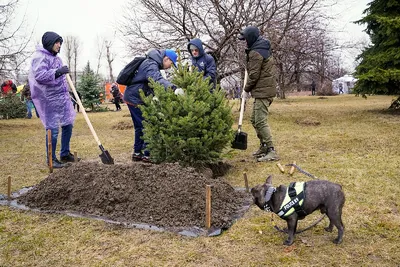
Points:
[(129, 71)]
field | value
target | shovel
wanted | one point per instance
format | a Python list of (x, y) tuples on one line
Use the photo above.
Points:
[(105, 155), (240, 141)]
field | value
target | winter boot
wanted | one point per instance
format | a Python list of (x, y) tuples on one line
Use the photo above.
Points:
[(270, 156), (58, 164), (69, 158), (262, 151)]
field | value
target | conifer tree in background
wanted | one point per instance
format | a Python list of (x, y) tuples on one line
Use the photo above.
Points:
[(193, 128), (11, 107), (89, 87), (379, 70)]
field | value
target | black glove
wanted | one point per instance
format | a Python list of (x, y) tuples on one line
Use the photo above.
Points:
[(61, 71)]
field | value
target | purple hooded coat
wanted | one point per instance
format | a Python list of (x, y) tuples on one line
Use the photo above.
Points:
[(50, 95)]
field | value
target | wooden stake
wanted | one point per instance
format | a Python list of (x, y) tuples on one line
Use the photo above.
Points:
[(76, 156), (292, 168), (9, 187), (280, 167), (49, 151), (208, 206), (246, 183)]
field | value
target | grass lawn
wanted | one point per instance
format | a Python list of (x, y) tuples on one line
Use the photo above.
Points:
[(344, 139)]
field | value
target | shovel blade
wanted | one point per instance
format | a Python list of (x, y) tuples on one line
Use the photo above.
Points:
[(240, 141), (106, 157)]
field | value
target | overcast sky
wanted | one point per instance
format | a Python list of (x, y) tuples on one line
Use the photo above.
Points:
[(88, 19)]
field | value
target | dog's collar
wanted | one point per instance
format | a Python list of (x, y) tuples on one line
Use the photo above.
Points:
[(271, 190)]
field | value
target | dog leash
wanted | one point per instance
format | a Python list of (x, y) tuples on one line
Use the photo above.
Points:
[(302, 171), (299, 231)]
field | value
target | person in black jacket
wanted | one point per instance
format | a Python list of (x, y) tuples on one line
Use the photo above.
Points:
[(313, 86), (117, 96)]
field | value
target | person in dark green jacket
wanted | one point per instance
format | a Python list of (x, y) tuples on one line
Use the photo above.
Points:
[(261, 84)]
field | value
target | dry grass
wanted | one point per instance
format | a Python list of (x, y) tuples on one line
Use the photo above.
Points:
[(355, 144)]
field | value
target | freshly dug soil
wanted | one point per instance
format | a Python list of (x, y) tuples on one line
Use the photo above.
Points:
[(164, 195)]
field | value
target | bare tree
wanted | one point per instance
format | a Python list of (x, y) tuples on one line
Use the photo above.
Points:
[(110, 58), (77, 50), (13, 41), (71, 46), (165, 23), (100, 51), (68, 50)]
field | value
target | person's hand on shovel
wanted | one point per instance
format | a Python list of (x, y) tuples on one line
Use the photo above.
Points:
[(61, 71)]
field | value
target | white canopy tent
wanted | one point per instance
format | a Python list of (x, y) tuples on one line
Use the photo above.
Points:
[(343, 85)]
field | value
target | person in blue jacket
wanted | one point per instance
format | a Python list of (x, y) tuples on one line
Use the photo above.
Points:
[(150, 68), (202, 61)]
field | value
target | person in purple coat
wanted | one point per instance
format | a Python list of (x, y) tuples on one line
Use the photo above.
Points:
[(50, 95)]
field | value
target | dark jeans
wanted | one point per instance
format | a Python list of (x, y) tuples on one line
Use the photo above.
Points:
[(137, 119), (29, 105), (66, 133)]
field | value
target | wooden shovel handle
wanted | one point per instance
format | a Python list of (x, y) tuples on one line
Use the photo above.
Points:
[(243, 101), (78, 100)]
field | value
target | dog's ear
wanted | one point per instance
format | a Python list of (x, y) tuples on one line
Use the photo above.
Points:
[(269, 180), (253, 191)]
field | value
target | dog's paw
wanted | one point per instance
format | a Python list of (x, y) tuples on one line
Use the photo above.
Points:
[(328, 229)]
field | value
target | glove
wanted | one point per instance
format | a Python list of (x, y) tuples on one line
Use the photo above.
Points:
[(61, 71), (245, 95), (179, 91)]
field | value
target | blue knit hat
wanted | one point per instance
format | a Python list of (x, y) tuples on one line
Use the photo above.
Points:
[(172, 55)]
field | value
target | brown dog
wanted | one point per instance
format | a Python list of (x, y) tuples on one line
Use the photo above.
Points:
[(326, 196)]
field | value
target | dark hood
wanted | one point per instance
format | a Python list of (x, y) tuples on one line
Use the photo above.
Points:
[(262, 46), (197, 43), (250, 34), (49, 39)]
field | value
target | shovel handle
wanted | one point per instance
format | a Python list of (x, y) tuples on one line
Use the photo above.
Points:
[(78, 100), (242, 102)]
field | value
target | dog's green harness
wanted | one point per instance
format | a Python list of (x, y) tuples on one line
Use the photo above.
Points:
[(293, 201)]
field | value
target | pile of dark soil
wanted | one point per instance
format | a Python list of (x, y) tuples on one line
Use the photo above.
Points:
[(164, 195)]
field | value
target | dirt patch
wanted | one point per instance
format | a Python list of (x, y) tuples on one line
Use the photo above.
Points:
[(123, 125), (308, 122), (164, 195)]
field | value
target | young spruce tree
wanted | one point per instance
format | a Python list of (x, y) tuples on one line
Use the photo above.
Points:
[(11, 107), (192, 128), (89, 87)]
